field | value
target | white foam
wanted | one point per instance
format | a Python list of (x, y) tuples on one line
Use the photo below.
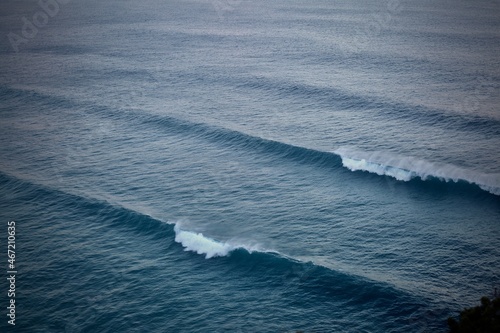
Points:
[(200, 244), (405, 168), (379, 169)]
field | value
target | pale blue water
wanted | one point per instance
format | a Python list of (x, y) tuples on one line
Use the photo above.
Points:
[(250, 166)]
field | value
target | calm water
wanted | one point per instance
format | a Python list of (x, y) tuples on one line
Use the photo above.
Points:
[(249, 166)]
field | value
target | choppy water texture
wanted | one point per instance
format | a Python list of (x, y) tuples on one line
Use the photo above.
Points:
[(249, 166)]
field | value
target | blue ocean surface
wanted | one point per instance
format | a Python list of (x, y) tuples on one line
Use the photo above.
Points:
[(248, 165)]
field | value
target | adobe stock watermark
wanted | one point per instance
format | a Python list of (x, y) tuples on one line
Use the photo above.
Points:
[(31, 25), (76, 157), (484, 88), (11, 272), (374, 25), (223, 6)]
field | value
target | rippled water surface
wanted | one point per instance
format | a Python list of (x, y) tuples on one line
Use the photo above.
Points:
[(244, 166)]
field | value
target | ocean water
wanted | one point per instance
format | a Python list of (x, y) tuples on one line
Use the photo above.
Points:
[(249, 166)]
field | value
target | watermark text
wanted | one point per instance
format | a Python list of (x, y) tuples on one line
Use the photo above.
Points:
[(11, 272)]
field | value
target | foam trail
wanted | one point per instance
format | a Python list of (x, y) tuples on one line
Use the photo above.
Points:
[(405, 168)]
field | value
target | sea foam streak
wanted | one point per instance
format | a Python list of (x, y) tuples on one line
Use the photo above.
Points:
[(405, 168)]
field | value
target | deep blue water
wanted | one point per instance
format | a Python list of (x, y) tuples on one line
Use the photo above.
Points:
[(249, 166)]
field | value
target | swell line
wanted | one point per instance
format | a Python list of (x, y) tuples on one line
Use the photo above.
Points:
[(402, 168), (340, 99), (337, 98), (315, 277)]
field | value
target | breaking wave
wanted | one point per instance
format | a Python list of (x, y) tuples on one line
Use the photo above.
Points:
[(406, 168), (200, 244)]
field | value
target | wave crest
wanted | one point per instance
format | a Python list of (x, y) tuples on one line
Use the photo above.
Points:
[(200, 244), (405, 168)]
